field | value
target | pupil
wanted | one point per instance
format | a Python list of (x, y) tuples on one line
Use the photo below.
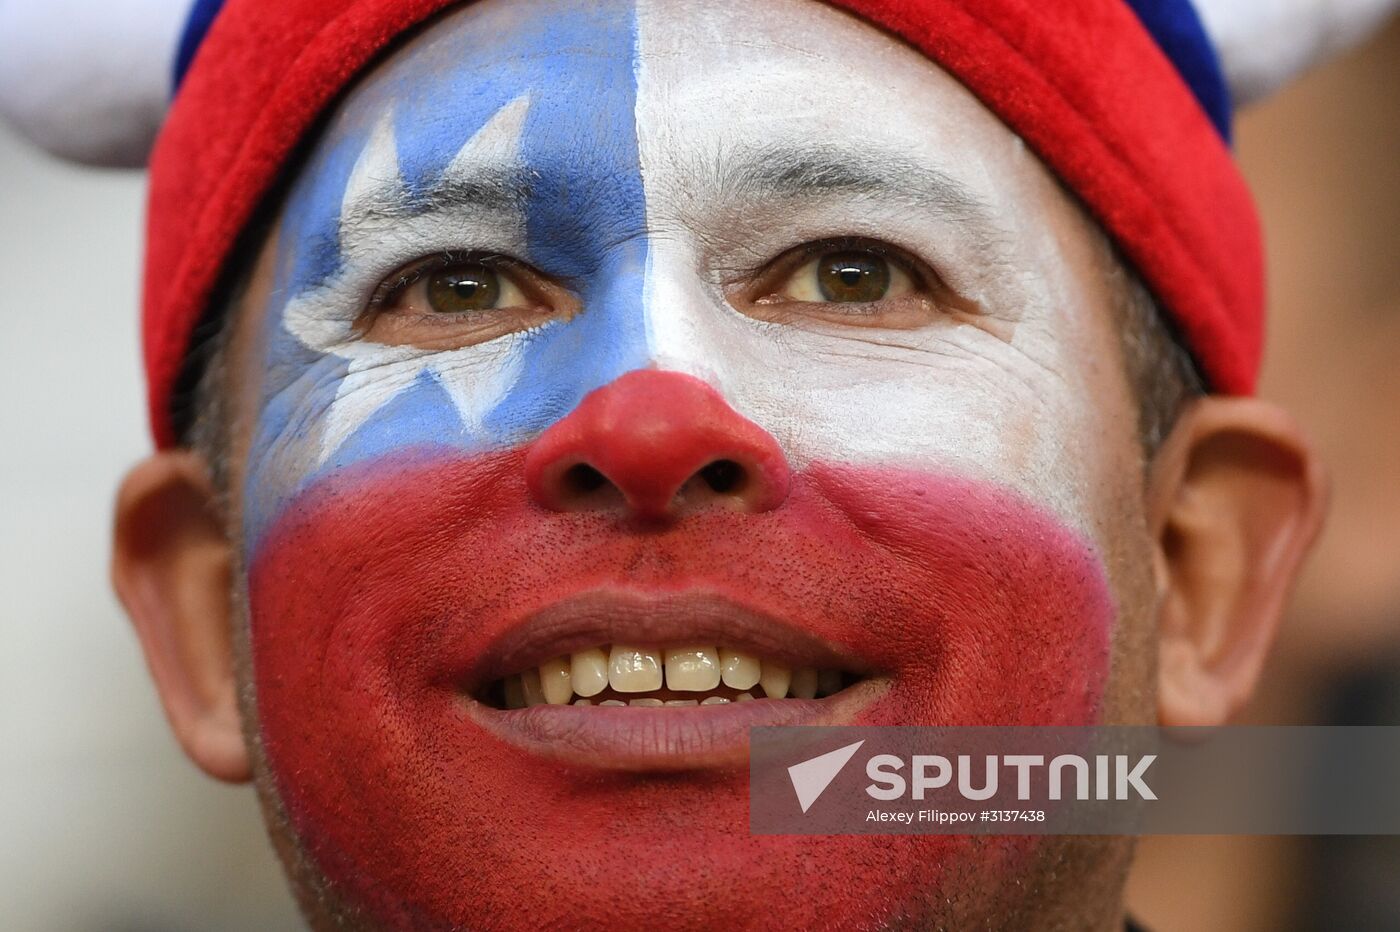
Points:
[(853, 277)]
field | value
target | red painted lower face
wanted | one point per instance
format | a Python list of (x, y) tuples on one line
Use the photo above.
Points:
[(976, 607)]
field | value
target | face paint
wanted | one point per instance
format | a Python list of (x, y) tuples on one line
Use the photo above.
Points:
[(939, 528), (444, 154)]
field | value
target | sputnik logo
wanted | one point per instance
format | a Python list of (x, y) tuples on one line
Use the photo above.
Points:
[(811, 777)]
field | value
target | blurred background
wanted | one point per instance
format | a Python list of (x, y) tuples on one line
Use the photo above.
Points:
[(1323, 158), (103, 823), (105, 826)]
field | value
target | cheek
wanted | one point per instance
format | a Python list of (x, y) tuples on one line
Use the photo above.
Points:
[(372, 586), (991, 608), (954, 406)]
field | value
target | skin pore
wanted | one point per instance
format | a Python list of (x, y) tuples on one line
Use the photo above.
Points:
[(776, 238)]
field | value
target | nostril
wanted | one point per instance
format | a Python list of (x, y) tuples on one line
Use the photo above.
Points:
[(580, 479), (655, 444), (725, 477)]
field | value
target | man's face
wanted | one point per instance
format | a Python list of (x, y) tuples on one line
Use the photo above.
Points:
[(770, 238)]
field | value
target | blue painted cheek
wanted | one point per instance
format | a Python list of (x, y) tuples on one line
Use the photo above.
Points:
[(565, 363), (416, 411), (585, 220)]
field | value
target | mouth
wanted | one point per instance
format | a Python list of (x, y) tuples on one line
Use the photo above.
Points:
[(632, 681)]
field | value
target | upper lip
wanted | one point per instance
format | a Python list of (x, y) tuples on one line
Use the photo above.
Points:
[(641, 619)]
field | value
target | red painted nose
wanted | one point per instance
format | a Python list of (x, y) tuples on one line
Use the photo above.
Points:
[(656, 444)]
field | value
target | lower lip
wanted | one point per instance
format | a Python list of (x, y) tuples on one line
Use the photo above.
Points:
[(660, 739)]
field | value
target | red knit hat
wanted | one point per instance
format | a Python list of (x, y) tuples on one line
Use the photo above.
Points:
[(1121, 98)]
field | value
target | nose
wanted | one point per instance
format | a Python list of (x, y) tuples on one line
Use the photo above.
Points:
[(656, 445)]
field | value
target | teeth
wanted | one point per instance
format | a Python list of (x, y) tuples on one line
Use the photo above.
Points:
[(692, 669), (554, 679), (739, 670), (588, 671), (515, 696), (530, 683), (775, 679), (804, 683), (634, 669)]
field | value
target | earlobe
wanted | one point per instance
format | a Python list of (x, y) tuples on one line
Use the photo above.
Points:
[(172, 567), (1235, 500)]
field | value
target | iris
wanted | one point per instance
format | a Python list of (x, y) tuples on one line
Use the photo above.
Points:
[(851, 277), (472, 287)]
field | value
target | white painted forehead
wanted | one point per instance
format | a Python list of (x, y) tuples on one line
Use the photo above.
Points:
[(717, 78), (785, 60)]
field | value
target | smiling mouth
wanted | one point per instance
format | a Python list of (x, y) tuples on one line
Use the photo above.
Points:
[(668, 681), (681, 676)]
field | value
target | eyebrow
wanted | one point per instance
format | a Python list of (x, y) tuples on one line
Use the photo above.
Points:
[(485, 188), (789, 171), (777, 172)]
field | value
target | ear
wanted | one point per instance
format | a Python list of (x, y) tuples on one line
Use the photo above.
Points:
[(172, 564), (1235, 498)]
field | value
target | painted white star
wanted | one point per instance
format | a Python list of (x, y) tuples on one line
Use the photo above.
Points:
[(475, 378)]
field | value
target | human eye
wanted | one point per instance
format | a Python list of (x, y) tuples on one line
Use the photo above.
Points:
[(855, 282), (456, 300)]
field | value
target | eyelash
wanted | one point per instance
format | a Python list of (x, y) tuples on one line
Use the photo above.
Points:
[(390, 289), (788, 263)]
